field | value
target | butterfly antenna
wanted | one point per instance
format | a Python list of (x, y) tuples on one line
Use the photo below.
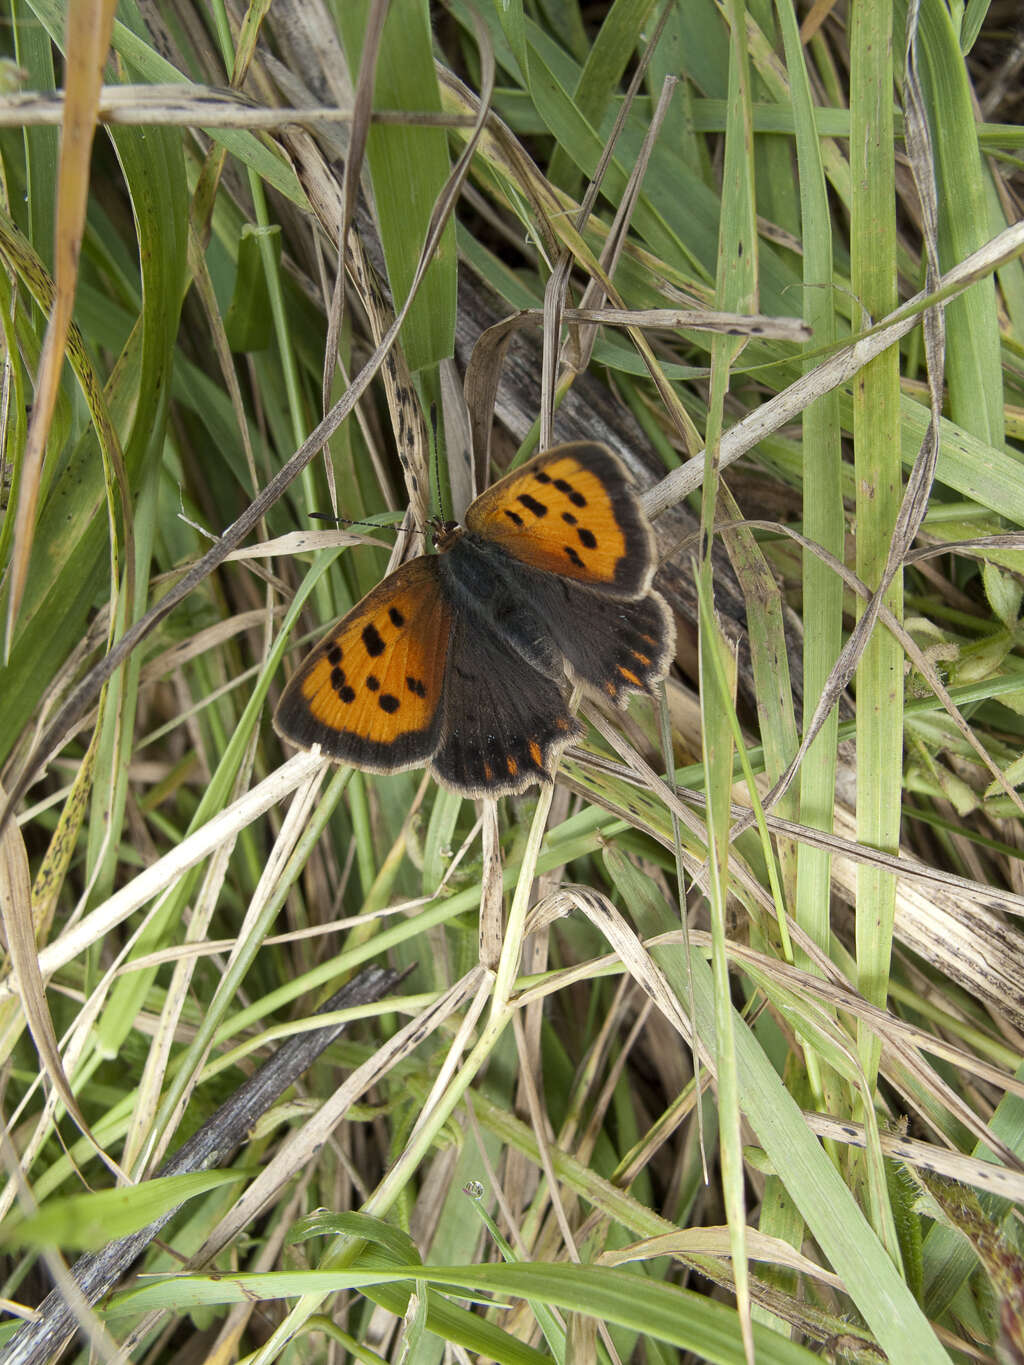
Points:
[(370, 525), (344, 521), (437, 461)]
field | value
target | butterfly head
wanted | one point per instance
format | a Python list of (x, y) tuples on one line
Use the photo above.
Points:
[(443, 533)]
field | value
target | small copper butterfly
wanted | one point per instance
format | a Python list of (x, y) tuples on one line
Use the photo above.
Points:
[(460, 658)]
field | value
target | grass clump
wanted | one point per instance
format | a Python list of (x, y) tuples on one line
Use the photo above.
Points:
[(750, 1027)]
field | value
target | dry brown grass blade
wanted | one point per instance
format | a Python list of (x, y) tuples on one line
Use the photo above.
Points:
[(485, 367), (362, 107), (53, 868), (458, 439), (202, 283), (600, 285), (714, 1241), (902, 1045), (925, 1156), (618, 233), (492, 896), (950, 922), (483, 375), (191, 106), (627, 946), (88, 37), (697, 320), (16, 913), (326, 197)]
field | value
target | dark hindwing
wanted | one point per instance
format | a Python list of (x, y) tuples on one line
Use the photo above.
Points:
[(504, 722), (613, 646)]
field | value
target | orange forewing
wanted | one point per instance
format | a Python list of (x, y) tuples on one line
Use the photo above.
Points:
[(370, 693), (572, 512)]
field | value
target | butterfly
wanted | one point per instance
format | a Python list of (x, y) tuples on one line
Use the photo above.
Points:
[(460, 659)]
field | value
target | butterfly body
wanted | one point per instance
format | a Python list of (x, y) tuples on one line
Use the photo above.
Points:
[(460, 658), (480, 579)]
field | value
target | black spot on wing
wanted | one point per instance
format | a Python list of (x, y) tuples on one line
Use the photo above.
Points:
[(341, 688), (372, 641), (565, 486)]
